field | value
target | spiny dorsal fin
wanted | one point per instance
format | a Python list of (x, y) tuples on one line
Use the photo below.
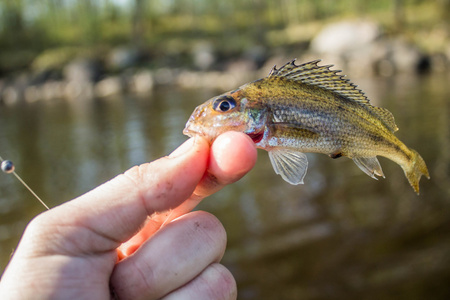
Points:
[(322, 76)]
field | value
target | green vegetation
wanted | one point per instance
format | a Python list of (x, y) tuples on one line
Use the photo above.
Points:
[(28, 28)]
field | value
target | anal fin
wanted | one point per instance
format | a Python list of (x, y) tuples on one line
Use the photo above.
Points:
[(369, 165), (290, 164)]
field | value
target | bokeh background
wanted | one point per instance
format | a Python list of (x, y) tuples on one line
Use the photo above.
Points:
[(90, 88)]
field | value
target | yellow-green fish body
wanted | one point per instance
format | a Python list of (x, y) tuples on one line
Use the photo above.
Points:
[(308, 108)]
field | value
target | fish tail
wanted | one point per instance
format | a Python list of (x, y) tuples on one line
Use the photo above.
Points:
[(415, 169)]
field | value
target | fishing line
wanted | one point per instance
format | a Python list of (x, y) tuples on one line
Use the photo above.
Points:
[(167, 219), (8, 168)]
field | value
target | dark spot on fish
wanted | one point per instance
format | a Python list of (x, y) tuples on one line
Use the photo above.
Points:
[(340, 108), (335, 155), (256, 136), (397, 148), (376, 138)]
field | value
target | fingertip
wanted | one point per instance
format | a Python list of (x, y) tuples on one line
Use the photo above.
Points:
[(233, 154), (196, 142)]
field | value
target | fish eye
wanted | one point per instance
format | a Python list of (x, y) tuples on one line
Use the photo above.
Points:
[(224, 104)]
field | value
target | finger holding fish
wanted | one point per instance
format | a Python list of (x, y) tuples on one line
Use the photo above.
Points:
[(231, 156)]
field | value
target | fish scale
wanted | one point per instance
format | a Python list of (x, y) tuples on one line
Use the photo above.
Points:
[(308, 108)]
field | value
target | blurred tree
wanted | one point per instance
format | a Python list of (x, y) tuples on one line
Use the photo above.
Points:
[(399, 15), (87, 16), (258, 28), (445, 11), (36, 25), (12, 23), (138, 25)]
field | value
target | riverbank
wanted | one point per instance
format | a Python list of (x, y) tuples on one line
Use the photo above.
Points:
[(360, 48)]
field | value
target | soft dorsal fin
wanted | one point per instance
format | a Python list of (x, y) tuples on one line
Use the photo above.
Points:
[(323, 77)]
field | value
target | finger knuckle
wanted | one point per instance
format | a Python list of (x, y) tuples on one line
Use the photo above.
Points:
[(212, 232)]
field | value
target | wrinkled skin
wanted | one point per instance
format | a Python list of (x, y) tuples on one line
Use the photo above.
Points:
[(71, 251)]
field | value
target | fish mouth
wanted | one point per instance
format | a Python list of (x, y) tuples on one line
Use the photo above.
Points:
[(188, 128), (192, 128), (190, 132)]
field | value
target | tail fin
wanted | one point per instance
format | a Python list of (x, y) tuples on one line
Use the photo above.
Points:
[(415, 169)]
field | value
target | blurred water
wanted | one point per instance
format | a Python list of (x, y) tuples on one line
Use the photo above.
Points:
[(341, 235)]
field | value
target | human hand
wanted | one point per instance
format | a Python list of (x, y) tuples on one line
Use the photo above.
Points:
[(71, 251)]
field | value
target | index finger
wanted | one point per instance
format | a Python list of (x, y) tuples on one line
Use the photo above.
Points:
[(232, 155)]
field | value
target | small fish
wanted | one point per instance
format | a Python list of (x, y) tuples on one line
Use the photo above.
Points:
[(308, 108)]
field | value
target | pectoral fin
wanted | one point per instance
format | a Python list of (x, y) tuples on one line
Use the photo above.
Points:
[(290, 164), (369, 165)]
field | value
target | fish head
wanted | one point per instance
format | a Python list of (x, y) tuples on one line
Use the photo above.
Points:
[(231, 111)]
